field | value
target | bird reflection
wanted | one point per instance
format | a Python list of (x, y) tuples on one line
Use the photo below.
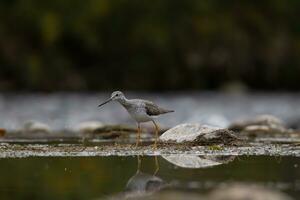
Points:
[(141, 184)]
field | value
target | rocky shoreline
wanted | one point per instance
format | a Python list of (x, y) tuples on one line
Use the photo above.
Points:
[(263, 135), (62, 150)]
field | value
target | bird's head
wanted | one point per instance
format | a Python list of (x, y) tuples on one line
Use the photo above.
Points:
[(115, 96)]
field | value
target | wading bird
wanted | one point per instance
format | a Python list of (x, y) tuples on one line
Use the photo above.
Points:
[(140, 110)]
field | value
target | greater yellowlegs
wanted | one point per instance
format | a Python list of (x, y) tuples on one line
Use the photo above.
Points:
[(140, 110)]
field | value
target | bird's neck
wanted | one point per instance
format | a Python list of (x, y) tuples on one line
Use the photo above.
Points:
[(124, 101)]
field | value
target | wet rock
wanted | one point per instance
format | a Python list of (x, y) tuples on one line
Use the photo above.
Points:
[(246, 192), (199, 135), (88, 127), (114, 131), (264, 124), (2, 132), (193, 161), (35, 127)]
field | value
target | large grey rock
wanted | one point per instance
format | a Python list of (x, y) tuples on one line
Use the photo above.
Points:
[(198, 134), (246, 192), (263, 124)]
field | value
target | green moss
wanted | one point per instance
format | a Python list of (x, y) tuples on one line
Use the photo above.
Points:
[(215, 148)]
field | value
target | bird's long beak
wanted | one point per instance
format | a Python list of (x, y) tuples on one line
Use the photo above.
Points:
[(108, 100)]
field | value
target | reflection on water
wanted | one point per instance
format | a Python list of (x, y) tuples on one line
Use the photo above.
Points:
[(110, 177), (141, 183), (193, 161)]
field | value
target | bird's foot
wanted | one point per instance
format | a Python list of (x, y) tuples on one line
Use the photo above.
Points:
[(154, 146)]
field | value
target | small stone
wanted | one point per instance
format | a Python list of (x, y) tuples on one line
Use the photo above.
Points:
[(36, 127), (199, 134), (2, 132)]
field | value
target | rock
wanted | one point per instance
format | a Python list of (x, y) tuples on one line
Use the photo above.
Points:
[(88, 127), (260, 125), (115, 128), (246, 192), (199, 134), (192, 161), (35, 127), (114, 131), (2, 132)]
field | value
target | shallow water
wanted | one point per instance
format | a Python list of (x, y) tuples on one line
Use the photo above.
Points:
[(105, 177), (67, 110), (58, 166)]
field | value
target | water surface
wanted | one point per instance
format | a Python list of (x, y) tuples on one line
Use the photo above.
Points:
[(67, 110), (104, 177)]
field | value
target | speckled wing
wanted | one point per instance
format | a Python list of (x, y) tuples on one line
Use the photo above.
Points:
[(153, 110)]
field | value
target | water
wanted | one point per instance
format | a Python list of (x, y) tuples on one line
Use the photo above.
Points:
[(107, 177), (67, 110), (31, 169)]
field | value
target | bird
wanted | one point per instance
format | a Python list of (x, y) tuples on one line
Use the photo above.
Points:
[(140, 110)]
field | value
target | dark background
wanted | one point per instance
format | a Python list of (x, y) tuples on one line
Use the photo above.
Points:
[(149, 45)]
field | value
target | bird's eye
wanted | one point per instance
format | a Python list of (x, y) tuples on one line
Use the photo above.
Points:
[(117, 94)]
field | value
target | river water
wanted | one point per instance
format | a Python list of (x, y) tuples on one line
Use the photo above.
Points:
[(66, 110), (115, 177)]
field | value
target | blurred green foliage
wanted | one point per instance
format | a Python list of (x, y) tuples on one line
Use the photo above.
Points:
[(153, 45)]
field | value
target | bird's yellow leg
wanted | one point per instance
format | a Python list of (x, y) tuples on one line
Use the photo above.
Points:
[(156, 166), (139, 163), (156, 134), (138, 135)]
